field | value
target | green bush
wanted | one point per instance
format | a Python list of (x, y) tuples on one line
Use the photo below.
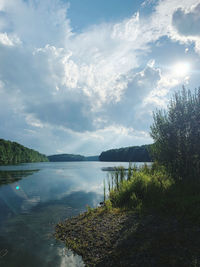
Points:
[(151, 189), (108, 205), (142, 190), (176, 133)]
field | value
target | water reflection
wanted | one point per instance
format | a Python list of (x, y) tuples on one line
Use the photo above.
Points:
[(7, 177), (29, 237), (47, 193)]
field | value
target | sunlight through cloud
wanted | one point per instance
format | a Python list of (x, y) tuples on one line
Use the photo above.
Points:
[(181, 69)]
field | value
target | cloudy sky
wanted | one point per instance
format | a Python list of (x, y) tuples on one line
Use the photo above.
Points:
[(83, 76)]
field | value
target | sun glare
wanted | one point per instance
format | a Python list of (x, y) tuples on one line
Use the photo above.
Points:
[(181, 69)]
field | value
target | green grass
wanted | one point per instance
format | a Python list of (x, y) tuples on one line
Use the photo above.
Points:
[(151, 189)]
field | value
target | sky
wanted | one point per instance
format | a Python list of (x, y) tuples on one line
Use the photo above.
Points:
[(84, 76)]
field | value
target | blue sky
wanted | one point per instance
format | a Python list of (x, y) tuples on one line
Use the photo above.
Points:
[(85, 76), (85, 13)]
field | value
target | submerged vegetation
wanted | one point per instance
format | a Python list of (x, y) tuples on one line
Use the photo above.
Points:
[(13, 153), (154, 209)]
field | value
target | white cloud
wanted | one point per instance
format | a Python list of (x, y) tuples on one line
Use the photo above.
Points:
[(94, 86), (33, 122), (128, 30), (5, 40), (97, 141), (1, 86), (165, 84), (175, 18), (187, 22)]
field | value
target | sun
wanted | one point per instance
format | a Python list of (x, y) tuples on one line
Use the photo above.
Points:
[(181, 69)]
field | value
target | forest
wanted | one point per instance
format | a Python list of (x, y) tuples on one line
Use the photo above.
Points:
[(71, 157), (65, 157), (13, 153), (129, 154)]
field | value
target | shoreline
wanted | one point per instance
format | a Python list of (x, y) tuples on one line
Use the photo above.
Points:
[(94, 234), (123, 238)]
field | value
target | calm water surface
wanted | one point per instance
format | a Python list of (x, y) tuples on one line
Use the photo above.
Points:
[(36, 197)]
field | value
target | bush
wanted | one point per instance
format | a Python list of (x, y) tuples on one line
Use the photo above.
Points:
[(176, 133), (145, 188), (108, 205), (151, 189)]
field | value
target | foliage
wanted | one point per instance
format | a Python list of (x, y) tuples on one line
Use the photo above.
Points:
[(108, 205), (144, 186), (150, 188), (13, 153), (65, 157), (176, 133), (92, 158), (71, 157), (89, 209), (104, 191), (130, 154)]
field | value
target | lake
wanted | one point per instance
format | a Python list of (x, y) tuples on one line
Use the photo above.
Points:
[(34, 197)]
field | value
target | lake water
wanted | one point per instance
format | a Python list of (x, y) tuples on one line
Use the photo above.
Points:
[(38, 196)]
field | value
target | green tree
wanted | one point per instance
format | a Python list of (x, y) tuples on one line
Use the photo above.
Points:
[(13, 153), (129, 154), (176, 133)]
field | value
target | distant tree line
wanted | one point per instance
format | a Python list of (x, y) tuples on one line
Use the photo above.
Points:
[(65, 157), (13, 153), (129, 154), (71, 157)]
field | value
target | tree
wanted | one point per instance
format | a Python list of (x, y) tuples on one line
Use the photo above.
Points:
[(129, 154), (13, 153), (176, 133)]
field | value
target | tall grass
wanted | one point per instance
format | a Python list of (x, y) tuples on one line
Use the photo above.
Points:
[(104, 190), (150, 188)]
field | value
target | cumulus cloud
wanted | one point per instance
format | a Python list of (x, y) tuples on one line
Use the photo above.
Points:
[(126, 111), (187, 22), (84, 89), (8, 41), (36, 22)]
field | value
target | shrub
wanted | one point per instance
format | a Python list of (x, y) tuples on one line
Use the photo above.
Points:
[(151, 189), (176, 133), (108, 205), (145, 189)]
